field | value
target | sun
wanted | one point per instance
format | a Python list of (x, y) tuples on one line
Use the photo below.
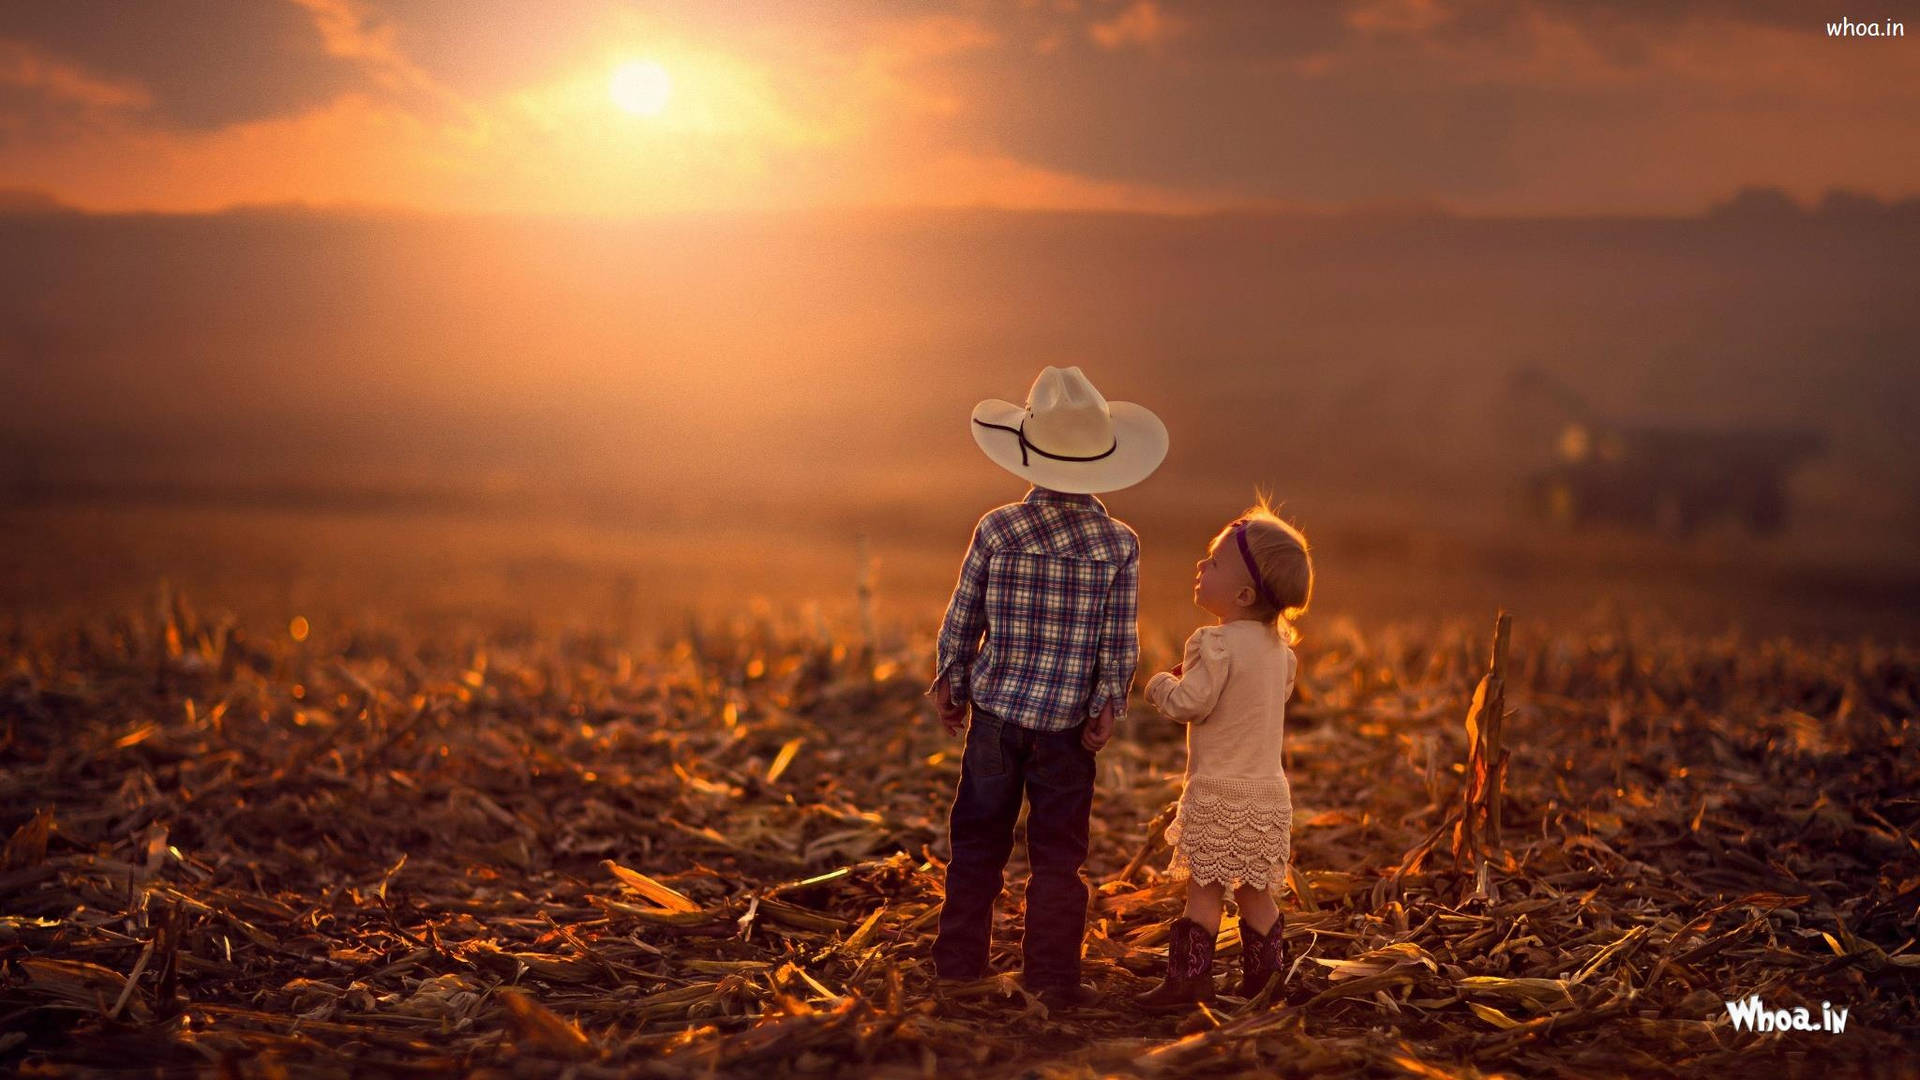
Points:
[(640, 87)]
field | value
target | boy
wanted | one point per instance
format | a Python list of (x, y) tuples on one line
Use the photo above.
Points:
[(1052, 581)]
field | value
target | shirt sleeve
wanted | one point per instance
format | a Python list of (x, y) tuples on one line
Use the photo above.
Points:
[(1119, 651), (966, 619), (1190, 696)]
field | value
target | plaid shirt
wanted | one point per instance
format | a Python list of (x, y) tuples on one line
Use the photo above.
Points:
[(1054, 582)]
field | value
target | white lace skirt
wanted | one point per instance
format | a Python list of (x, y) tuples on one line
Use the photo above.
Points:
[(1235, 832)]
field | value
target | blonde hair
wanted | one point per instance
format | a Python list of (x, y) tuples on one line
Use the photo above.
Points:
[(1286, 565)]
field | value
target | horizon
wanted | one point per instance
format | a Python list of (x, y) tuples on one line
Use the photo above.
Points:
[(1747, 200)]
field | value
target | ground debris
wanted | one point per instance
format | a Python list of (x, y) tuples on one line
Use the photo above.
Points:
[(483, 853)]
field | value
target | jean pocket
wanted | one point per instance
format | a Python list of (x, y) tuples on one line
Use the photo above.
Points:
[(984, 755)]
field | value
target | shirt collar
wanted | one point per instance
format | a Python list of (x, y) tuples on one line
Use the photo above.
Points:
[(1038, 494)]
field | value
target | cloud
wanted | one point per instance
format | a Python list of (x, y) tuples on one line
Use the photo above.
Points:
[(1142, 23), (960, 179), (1396, 16), (350, 30), (742, 132), (24, 67), (1557, 106), (350, 151), (199, 65)]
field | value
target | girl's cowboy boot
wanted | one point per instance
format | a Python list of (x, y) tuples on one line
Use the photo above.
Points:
[(1189, 969), (1261, 955)]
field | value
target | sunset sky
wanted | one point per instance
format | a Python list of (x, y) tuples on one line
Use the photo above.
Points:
[(1479, 106)]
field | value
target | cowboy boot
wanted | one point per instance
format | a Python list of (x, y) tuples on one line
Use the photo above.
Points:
[(1261, 955), (1189, 969)]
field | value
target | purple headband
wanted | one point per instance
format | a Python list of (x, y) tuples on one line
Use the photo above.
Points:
[(1253, 568)]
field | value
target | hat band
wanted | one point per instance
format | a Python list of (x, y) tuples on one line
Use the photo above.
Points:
[(1253, 568), (1026, 446)]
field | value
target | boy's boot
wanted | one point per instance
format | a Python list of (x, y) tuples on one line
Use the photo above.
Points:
[(1065, 997), (1261, 955), (1189, 969)]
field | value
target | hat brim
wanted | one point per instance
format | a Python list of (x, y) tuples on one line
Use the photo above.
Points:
[(1139, 445)]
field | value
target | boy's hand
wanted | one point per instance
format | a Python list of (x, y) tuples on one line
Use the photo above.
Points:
[(953, 715), (1099, 729)]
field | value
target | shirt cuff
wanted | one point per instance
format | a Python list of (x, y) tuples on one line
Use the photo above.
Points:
[(955, 676)]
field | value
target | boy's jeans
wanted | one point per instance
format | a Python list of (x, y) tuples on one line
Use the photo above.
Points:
[(1056, 774)]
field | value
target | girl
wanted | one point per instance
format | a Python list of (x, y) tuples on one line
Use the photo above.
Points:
[(1235, 818)]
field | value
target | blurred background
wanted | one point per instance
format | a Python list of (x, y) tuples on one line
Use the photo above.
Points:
[(608, 313)]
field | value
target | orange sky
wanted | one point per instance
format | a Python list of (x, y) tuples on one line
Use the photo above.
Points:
[(498, 106)]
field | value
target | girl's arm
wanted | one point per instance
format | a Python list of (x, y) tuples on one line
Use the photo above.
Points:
[(1189, 698)]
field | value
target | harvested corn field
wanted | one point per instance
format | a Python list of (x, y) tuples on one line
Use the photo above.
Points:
[(354, 850)]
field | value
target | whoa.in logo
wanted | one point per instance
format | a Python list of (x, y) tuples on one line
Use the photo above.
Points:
[(1752, 1015)]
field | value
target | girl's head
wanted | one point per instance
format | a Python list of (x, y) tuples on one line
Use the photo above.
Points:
[(1257, 567)]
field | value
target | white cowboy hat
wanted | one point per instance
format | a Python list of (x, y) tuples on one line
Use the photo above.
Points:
[(1069, 438)]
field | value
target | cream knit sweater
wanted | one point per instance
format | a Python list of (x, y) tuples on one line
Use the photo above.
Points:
[(1232, 693), (1235, 820)]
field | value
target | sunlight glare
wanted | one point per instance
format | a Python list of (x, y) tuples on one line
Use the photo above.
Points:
[(640, 87)]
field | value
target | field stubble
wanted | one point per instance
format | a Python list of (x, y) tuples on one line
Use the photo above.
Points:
[(509, 850)]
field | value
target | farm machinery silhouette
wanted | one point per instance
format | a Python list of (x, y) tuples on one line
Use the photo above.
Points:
[(1658, 478)]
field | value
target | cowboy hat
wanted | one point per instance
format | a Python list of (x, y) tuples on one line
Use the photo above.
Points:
[(1069, 438)]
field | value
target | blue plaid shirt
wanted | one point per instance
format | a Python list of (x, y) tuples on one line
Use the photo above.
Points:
[(1053, 581)]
